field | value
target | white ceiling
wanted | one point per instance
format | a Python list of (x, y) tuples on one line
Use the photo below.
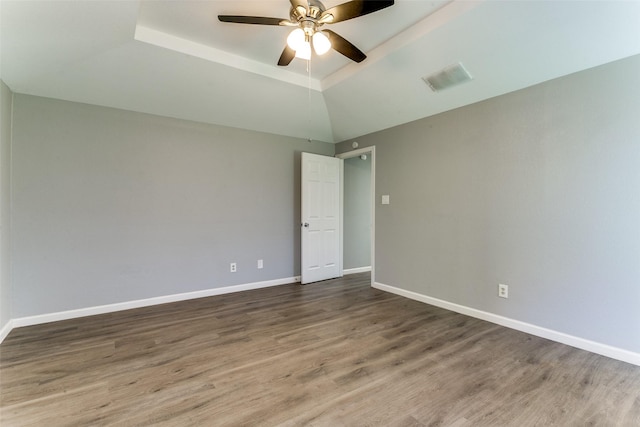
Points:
[(174, 58)]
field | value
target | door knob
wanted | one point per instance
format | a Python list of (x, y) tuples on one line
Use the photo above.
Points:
[(305, 225)]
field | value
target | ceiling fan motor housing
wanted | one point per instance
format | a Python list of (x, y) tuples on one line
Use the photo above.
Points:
[(307, 19), (313, 12)]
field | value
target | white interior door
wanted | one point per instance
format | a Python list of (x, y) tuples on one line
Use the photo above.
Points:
[(321, 189)]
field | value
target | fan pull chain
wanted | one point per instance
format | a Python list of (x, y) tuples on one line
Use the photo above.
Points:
[(309, 101)]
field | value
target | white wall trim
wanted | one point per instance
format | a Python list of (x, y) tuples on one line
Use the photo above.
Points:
[(109, 308), (581, 343), (5, 330), (356, 270)]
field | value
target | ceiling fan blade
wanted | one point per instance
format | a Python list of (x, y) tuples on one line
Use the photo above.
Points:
[(258, 20), (302, 6), (353, 9), (342, 45), (287, 56)]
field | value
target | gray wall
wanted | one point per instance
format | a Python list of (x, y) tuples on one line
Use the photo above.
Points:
[(5, 205), (538, 189), (357, 212), (112, 206)]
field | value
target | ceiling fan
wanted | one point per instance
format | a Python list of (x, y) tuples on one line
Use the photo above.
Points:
[(309, 16)]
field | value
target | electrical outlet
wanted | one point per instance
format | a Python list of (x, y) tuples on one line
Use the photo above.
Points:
[(233, 267), (260, 263), (503, 291)]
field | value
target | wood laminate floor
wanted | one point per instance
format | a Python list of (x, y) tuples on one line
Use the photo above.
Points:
[(335, 353)]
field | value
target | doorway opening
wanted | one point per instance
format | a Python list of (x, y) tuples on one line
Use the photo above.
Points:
[(358, 211)]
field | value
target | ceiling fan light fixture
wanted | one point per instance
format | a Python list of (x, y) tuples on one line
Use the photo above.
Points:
[(321, 43), (296, 39), (304, 51)]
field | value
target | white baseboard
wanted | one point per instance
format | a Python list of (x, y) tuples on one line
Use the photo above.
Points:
[(109, 308), (356, 270), (5, 330), (581, 343)]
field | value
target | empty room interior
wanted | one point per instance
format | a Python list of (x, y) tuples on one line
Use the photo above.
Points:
[(293, 212)]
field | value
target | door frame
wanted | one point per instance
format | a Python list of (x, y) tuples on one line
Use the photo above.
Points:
[(348, 155)]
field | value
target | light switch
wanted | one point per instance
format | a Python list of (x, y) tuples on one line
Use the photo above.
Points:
[(385, 199)]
